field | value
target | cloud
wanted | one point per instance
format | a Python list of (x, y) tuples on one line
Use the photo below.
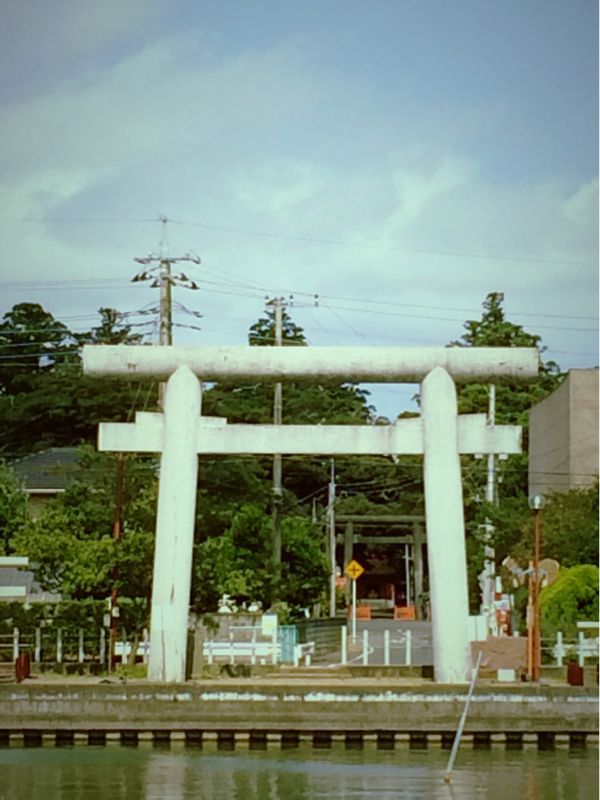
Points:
[(270, 139)]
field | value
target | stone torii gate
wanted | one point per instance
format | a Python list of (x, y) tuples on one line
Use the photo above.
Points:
[(181, 433)]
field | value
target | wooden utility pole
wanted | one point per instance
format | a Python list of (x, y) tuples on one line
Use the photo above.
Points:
[(277, 303), (117, 534)]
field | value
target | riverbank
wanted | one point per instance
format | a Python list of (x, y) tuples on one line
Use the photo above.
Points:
[(294, 706)]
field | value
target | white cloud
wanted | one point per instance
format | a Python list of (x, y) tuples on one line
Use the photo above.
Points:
[(273, 141), (582, 206), (277, 187)]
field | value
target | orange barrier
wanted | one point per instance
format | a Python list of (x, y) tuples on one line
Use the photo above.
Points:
[(362, 612), (405, 612)]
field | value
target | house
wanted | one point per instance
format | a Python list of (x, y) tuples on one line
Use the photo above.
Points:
[(20, 585), (46, 474), (563, 436)]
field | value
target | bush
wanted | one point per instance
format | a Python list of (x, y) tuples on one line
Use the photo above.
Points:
[(572, 598)]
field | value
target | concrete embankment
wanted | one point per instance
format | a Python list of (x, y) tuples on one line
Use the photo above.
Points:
[(276, 705)]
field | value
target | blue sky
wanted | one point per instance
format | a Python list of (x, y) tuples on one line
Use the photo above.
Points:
[(400, 159)]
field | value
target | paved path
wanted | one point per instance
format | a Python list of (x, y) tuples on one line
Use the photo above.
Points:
[(421, 651)]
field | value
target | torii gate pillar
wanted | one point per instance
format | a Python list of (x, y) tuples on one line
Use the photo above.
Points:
[(445, 529), (175, 528)]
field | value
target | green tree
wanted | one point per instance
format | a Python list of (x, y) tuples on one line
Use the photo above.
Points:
[(572, 598), (45, 400), (262, 332), (13, 507), (71, 544), (112, 330), (32, 342), (569, 527), (513, 401), (64, 558), (239, 563)]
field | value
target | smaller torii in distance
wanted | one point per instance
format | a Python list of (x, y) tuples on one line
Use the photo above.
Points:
[(180, 434)]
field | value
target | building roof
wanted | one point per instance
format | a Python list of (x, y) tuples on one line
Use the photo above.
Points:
[(48, 470)]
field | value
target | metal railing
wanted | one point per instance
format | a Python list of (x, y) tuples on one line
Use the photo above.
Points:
[(395, 643), (51, 647)]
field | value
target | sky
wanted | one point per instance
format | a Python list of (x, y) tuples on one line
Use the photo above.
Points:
[(399, 159)]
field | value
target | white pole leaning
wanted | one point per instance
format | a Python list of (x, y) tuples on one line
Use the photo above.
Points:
[(175, 528), (445, 529)]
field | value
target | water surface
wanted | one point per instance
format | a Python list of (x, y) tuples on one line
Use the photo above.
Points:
[(122, 773)]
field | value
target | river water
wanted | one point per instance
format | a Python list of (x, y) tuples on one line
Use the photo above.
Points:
[(124, 773)]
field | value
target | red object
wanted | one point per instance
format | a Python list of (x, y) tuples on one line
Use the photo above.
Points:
[(22, 667), (574, 674)]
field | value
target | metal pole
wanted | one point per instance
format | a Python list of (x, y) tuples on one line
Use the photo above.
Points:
[(407, 573), (463, 719), (581, 649), (530, 624), (344, 658), (535, 672), (560, 650), (331, 516), (353, 610)]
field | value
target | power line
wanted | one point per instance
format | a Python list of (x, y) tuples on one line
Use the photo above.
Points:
[(253, 289), (318, 240), (375, 246)]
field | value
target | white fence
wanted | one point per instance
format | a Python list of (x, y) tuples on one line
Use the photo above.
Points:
[(246, 644), (54, 646)]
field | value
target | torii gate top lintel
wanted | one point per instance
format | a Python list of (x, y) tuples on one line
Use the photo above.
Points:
[(356, 364)]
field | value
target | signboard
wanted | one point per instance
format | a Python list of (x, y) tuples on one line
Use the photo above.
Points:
[(354, 570)]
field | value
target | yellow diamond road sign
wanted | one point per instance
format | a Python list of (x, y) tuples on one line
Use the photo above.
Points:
[(354, 570)]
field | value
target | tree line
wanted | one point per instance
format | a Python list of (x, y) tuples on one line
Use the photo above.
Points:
[(47, 401)]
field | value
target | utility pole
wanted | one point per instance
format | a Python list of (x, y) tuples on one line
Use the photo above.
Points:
[(159, 271), (277, 304), (117, 534), (331, 539), (489, 593)]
